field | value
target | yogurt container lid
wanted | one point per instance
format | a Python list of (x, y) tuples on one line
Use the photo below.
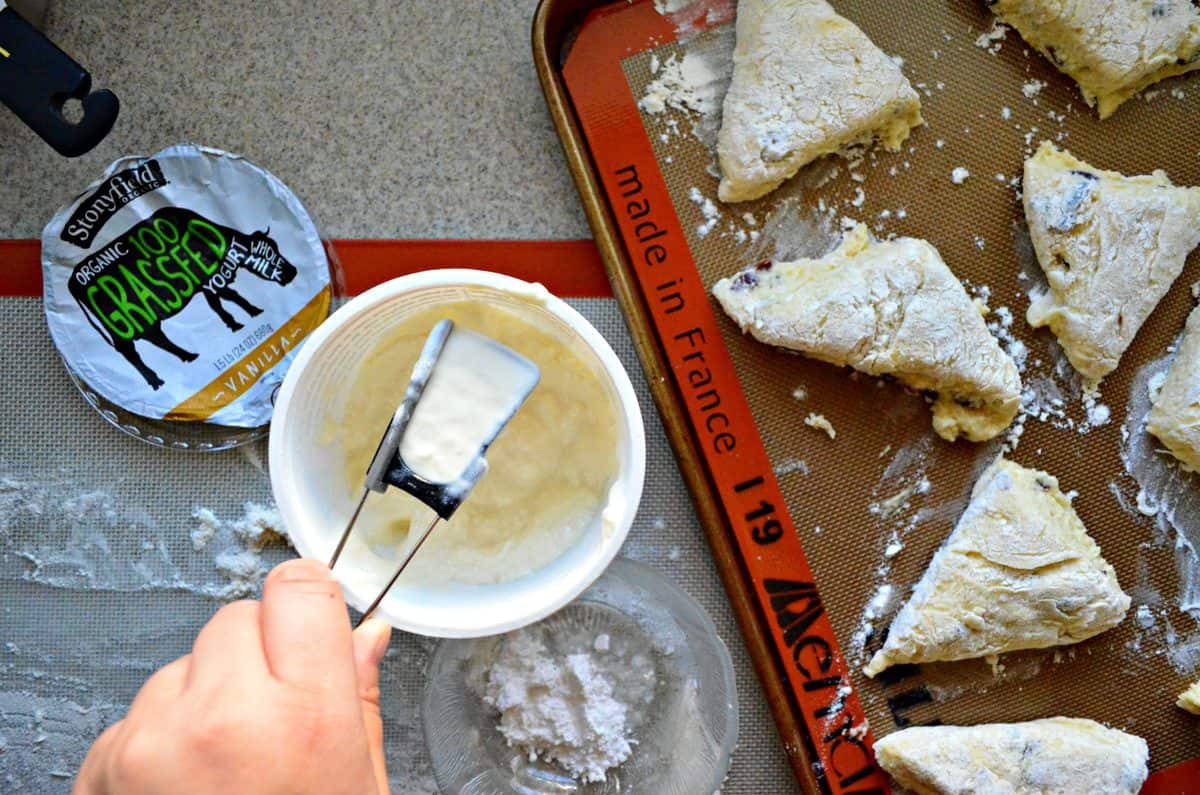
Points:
[(179, 286)]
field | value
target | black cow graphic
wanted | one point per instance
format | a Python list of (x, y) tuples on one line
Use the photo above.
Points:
[(152, 272)]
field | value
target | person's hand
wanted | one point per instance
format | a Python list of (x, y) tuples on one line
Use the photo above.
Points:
[(277, 697)]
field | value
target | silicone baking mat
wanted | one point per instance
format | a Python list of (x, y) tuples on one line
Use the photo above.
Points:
[(101, 582), (832, 533)]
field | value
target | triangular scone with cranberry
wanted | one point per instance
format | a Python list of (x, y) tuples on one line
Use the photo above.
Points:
[(806, 82), (887, 307), (1052, 756), (1111, 48), (1019, 571), (1110, 247)]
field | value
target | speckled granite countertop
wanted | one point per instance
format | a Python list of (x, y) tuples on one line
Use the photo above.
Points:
[(390, 120)]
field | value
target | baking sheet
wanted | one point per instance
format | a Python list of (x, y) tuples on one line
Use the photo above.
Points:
[(987, 103)]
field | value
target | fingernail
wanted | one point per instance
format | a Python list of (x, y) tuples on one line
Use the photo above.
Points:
[(379, 631), (301, 570)]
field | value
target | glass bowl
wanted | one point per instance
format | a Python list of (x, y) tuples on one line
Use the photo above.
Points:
[(684, 731)]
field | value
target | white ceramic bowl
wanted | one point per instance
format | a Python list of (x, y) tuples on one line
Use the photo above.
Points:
[(309, 483)]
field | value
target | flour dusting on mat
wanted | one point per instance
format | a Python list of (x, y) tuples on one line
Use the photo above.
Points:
[(790, 466), (904, 476), (890, 506), (707, 209), (991, 40), (691, 17), (794, 231), (900, 506), (572, 700), (688, 84), (1053, 392), (240, 542), (1169, 498)]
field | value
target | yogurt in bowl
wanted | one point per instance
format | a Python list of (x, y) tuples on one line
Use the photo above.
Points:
[(564, 478)]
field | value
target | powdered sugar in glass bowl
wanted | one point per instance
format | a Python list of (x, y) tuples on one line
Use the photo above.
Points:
[(633, 640)]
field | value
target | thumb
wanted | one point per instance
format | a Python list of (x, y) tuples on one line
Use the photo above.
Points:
[(370, 646), (92, 779)]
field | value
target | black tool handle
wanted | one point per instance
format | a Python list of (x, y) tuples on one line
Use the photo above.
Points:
[(443, 498), (36, 78)]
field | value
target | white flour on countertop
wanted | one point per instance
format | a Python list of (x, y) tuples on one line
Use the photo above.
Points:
[(91, 540), (257, 525), (81, 540), (1145, 504), (1155, 635), (52, 734), (1000, 325), (576, 705), (902, 475), (115, 549), (1097, 413)]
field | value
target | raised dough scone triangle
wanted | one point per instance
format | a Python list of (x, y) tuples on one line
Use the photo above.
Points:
[(1053, 756), (1110, 247), (1111, 48), (887, 307), (1175, 415), (1019, 571), (806, 82)]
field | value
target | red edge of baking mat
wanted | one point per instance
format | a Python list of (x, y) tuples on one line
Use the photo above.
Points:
[(686, 326), (569, 268), (717, 409)]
